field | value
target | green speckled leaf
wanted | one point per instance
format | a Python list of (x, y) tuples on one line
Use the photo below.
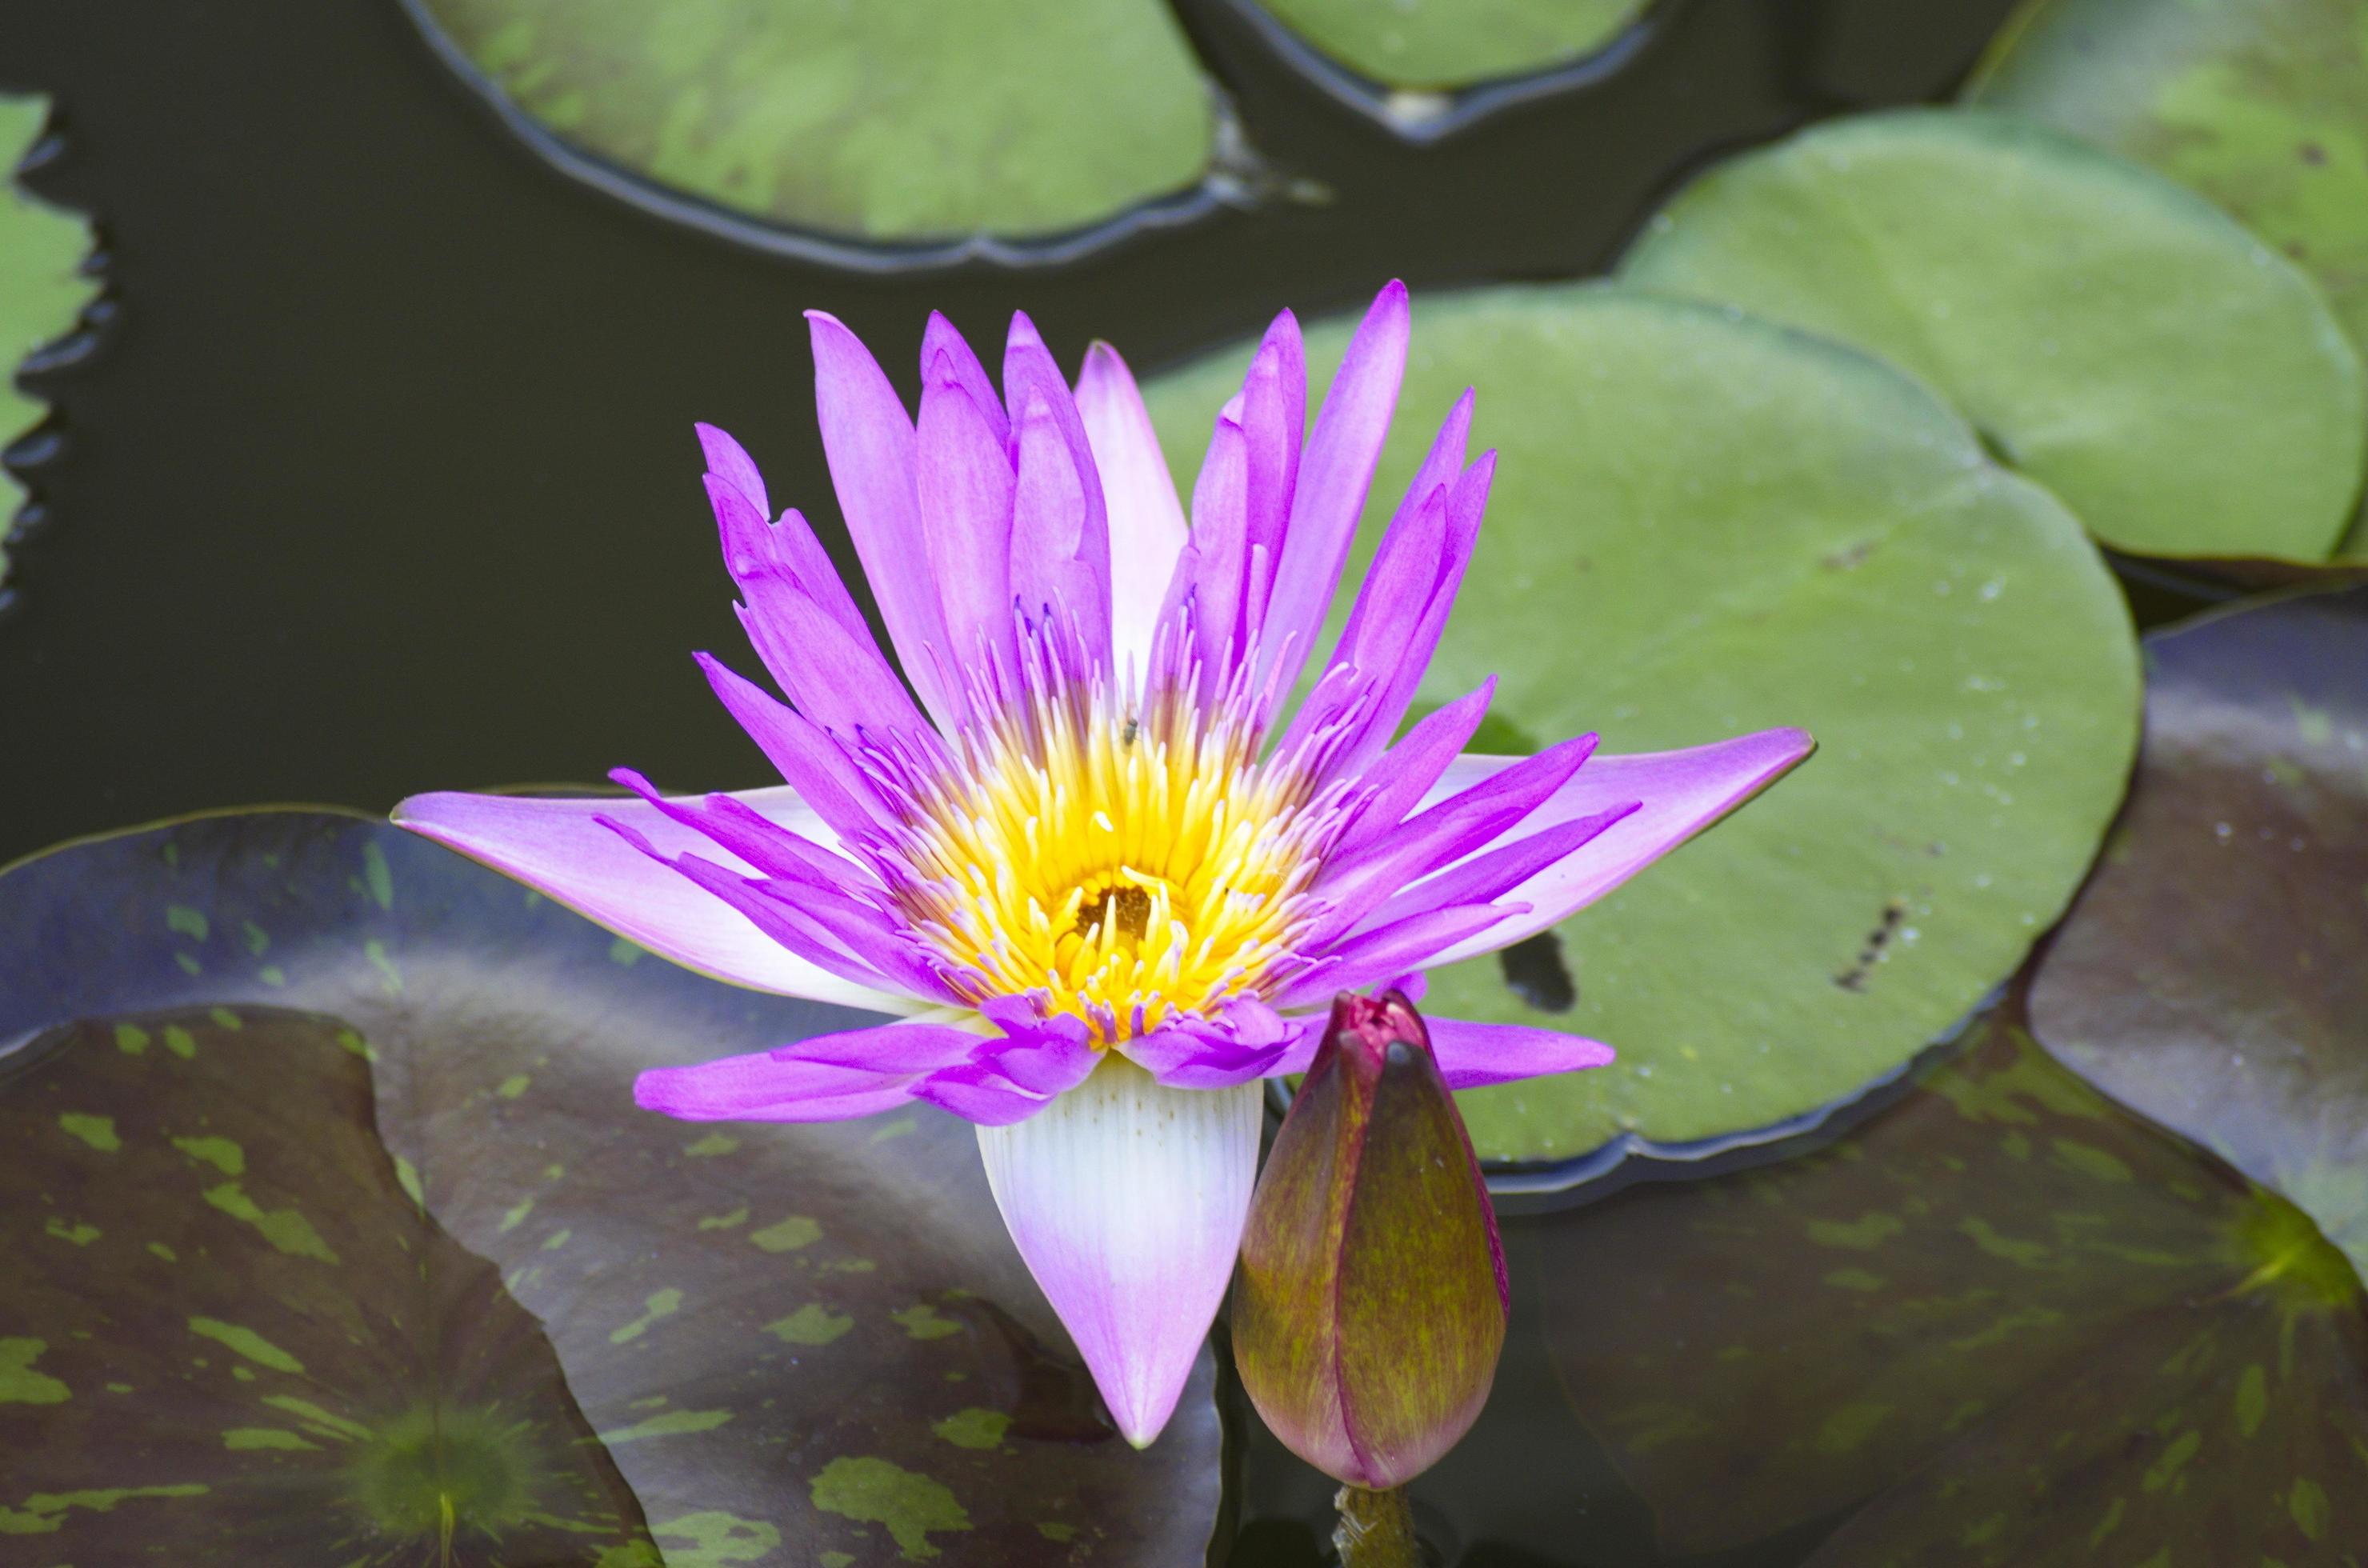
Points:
[(2212, 976), (883, 122), (1435, 44), (1704, 526), (231, 1318), (2006, 1326), (42, 286), (2261, 105), (2185, 388), (791, 1341)]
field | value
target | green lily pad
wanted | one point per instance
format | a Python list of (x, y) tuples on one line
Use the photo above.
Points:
[(816, 1338), (2210, 976), (1701, 526), (229, 1324), (1434, 45), (2261, 105), (873, 123), (43, 289), (2185, 388), (2005, 1324)]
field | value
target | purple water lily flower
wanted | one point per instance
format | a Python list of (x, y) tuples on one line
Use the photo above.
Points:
[(1103, 884)]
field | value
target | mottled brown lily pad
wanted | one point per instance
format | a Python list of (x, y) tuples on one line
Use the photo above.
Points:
[(2008, 1324), (794, 1343), (227, 1324), (2210, 976)]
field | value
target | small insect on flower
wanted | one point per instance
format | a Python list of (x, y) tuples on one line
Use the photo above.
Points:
[(1078, 851)]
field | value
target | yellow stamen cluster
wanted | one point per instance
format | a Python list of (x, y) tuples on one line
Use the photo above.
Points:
[(1124, 868)]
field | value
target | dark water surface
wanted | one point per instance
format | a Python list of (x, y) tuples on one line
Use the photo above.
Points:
[(381, 478)]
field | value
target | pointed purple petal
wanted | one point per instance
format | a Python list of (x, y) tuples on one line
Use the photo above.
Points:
[(1683, 792), (1441, 835), (1401, 777), (827, 1079), (1337, 472), (868, 440), (826, 778), (965, 487), (728, 462), (1127, 1200), (1270, 446), (1216, 558), (1474, 1055), (1146, 520), (1413, 943), (559, 848), (775, 565), (1492, 874), (943, 346)]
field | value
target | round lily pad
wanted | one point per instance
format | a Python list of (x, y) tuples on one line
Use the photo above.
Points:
[(2006, 1326), (873, 123), (810, 1340), (42, 289), (1701, 526), (2261, 105), (2210, 975), (1444, 44), (2185, 388)]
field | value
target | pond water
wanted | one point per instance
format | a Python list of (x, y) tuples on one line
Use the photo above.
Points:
[(379, 477)]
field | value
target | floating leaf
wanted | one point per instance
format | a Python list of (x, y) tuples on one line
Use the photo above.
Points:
[(2184, 388), (782, 1336), (233, 1329), (43, 289), (876, 122), (1442, 44), (1704, 526), (2006, 1324), (2261, 105), (2210, 976)]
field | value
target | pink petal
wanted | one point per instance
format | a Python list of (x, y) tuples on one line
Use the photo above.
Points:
[(1683, 792), (1127, 1200), (559, 848), (1146, 520)]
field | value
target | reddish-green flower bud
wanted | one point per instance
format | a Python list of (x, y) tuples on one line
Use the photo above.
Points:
[(1373, 1299)]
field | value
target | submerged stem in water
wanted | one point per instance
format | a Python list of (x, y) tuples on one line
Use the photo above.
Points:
[(1376, 1529)]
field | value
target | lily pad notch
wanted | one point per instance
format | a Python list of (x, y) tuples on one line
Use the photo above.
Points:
[(1426, 69)]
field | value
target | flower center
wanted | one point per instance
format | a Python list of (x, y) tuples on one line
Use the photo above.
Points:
[(1116, 867), (1115, 910)]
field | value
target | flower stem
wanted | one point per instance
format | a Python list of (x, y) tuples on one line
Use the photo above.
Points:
[(1376, 1530)]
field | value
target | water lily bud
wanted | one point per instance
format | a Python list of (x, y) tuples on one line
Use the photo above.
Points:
[(1372, 1299)]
